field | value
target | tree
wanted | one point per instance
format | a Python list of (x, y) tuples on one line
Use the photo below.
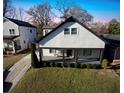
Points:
[(68, 8), (34, 59), (114, 27), (82, 15), (63, 6), (40, 15), (6, 7)]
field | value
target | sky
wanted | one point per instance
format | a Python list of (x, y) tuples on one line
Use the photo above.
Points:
[(101, 10)]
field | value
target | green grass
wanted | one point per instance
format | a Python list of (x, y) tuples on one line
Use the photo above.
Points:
[(67, 80), (10, 60)]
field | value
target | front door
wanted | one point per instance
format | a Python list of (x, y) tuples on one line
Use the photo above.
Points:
[(69, 53)]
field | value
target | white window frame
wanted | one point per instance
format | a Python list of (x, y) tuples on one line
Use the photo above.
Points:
[(65, 31), (12, 31), (76, 31)]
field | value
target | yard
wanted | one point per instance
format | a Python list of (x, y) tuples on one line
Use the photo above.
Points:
[(68, 80), (10, 60)]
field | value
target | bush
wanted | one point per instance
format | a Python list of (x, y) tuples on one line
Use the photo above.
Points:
[(44, 64), (105, 63), (89, 66), (83, 66), (94, 66), (56, 64), (51, 64), (34, 59)]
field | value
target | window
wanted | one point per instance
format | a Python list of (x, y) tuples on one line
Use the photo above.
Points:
[(30, 31), (46, 32), (73, 31), (24, 42), (11, 31), (87, 52), (66, 31), (51, 50)]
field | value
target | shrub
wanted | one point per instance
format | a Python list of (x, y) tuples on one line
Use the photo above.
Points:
[(44, 64), (51, 64), (105, 63), (83, 66), (34, 59), (94, 66), (72, 64), (56, 64), (68, 65), (89, 66)]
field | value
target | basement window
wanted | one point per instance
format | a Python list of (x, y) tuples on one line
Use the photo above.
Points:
[(66, 31)]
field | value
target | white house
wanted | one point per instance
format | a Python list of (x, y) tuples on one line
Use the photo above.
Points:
[(17, 35), (71, 39)]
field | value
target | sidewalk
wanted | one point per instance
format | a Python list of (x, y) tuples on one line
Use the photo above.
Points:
[(15, 73)]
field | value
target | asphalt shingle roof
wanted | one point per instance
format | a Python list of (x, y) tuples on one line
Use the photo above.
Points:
[(21, 23)]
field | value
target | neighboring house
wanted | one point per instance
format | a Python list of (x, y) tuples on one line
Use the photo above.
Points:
[(112, 50), (17, 35), (72, 39), (47, 28)]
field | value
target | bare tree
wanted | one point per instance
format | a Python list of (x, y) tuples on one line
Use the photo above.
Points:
[(82, 15), (21, 13), (6, 7), (68, 8), (63, 6), (40, 15)]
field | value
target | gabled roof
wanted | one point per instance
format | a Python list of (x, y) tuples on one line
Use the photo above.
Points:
[(111, 36), (20, 23), (70, 19), (114, 40)]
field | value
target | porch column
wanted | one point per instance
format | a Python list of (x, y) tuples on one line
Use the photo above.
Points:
[(13, 47), (40, 54), (76, 55), (63, 53), (101, 54)]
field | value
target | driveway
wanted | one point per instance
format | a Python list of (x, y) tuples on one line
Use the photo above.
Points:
[(15, 73)]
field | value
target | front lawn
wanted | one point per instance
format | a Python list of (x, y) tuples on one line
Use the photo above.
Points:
[(68, 80), (10, 60)]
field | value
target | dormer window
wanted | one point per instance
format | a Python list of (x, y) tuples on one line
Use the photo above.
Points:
[(66, 31), (11, 31), (74, 31)]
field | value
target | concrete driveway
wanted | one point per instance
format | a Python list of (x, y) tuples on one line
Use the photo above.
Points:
[(15, 73)]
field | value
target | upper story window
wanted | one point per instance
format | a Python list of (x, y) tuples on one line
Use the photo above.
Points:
[(11, 31), (46, 32), (73, 31), (66, 31), (30, 31)]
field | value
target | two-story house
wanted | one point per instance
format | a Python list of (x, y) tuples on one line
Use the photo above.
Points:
[(17, 35)]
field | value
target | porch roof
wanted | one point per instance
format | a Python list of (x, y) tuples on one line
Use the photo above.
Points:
[(9, 37)]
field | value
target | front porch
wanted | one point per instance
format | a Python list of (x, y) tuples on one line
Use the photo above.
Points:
[(76, 57), (11, 46)]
